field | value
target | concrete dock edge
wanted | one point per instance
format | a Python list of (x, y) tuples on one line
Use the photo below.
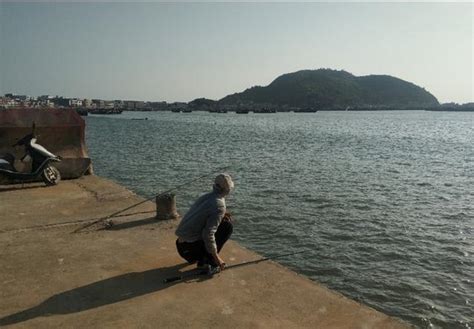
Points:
[(113, 278)]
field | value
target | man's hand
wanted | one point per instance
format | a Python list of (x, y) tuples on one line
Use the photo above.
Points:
[(219, 262), (227, 217)]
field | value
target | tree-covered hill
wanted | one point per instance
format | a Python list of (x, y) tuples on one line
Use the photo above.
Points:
[(325, 88)]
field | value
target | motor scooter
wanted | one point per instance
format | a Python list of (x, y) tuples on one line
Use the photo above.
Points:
[(41, 163)]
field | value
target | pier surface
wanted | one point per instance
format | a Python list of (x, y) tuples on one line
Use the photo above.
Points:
[(113, 278)]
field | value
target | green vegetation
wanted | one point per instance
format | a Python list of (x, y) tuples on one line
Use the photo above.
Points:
[(331, 89)]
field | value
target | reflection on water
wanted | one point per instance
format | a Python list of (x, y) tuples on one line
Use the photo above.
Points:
[(383, 200)]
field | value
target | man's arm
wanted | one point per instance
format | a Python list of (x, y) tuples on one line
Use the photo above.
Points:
[(209, 235)]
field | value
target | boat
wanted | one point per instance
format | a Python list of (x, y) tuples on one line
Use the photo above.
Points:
[(451, 109), (82, 112), (242, 111), (105, 111), (263, 110), (306, 110)]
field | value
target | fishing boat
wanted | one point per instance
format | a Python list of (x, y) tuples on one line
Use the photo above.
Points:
[(306, 110), (265, 110), (105, 111)]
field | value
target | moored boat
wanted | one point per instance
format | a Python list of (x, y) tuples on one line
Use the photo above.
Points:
[(265, 110), (306, 110), (82, 112), (105, 111)]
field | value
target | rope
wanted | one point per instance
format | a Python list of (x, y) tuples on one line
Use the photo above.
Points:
[(61, 224)]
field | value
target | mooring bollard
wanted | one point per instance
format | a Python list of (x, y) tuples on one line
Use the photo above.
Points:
[(166, 207)]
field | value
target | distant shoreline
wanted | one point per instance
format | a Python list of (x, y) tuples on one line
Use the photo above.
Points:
[(85, 111)]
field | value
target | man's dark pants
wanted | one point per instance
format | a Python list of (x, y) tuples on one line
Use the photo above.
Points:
[(196, 251)]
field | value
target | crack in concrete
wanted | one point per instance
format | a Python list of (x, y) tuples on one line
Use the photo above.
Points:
[(95, 194)]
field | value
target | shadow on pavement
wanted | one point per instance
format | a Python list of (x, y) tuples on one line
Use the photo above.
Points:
[(100, 293)]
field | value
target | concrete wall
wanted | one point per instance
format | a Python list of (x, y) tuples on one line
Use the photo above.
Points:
[(60, 131)]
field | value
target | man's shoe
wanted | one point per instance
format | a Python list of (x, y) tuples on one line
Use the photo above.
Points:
[(211, 270)]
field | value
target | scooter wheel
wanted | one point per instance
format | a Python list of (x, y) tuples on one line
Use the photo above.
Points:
[(51, 175)]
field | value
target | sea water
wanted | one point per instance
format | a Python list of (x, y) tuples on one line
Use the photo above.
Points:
[(383, 202)]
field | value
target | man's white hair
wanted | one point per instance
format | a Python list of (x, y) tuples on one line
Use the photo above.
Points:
[(224, 182)]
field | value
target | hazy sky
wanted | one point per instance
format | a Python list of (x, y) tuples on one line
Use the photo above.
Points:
[(178, 52)]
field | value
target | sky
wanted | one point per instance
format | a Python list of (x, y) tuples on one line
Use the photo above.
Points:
[(182, 51)]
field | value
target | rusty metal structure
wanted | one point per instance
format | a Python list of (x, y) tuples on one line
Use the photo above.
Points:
[(61, 131)]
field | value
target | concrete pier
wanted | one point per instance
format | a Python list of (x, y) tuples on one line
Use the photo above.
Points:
[(113, 278)]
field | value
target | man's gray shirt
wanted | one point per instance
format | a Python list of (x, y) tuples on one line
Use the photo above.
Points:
[(202, 220)]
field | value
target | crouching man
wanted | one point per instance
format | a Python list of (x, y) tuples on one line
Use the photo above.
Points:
[(206, 227)]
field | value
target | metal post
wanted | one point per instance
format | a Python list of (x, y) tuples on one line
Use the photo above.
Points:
[(166, 207)]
